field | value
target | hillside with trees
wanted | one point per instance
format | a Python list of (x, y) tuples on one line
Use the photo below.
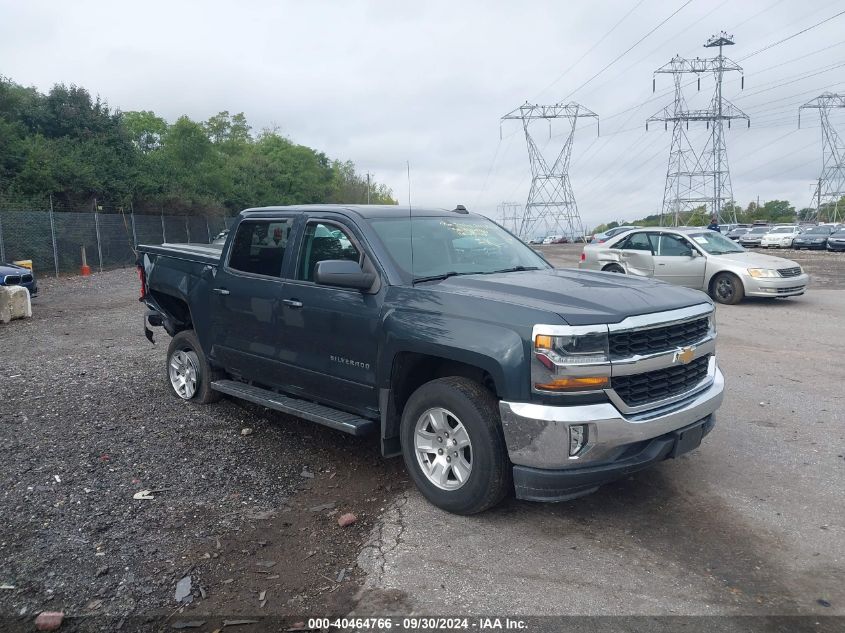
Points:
[(75, 149)]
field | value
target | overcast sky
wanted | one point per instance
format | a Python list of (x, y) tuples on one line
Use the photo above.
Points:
[(382, 83)]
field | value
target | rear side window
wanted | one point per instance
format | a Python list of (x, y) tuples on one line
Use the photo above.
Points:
[(323, 242), (636, 242), (259, 246)]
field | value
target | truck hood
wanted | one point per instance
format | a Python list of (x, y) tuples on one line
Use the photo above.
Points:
[(755, 260), (578, 297)]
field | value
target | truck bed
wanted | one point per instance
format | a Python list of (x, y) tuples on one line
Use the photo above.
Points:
[(208, 254)]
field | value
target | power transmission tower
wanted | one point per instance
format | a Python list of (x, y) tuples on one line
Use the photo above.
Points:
[(698, 179), (510, 215), (831, 186), (551, 202)]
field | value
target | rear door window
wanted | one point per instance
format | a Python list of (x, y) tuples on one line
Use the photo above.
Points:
[(259, 246), (637, 242)]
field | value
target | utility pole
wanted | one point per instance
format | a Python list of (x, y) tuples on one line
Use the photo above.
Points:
[(831, 186), (696, 179), (368, 187), (510, 214), (551, 201)]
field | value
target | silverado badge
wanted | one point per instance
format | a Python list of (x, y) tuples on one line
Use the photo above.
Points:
[(684, 355)]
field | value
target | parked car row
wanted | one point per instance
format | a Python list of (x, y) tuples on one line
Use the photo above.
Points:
[(820, 237), (699, 258)]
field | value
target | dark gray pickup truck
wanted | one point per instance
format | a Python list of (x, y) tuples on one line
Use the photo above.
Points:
[(448, 338)]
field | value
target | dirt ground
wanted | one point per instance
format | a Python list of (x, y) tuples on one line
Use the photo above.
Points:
[(87, 421), (250, 517)]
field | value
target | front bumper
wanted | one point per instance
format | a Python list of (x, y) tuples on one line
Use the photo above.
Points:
[(809, 245), (537, 438), (775, 286)]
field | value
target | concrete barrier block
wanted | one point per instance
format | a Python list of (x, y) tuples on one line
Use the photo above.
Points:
[(15, 303)]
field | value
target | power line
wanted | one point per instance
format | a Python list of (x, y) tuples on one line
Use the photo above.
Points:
[(630, 48), (591, 49), (786, 39)]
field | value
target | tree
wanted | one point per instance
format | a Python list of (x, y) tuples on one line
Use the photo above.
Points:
[(145, 129), (74, 147)]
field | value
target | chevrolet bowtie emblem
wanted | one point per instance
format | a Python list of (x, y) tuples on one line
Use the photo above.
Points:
[(684, 355)]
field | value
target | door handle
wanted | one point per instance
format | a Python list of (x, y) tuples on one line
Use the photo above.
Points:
[(293, 303), (220, 291)]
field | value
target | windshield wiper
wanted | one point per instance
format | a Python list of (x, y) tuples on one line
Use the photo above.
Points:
[(515, 269), (451, 273)]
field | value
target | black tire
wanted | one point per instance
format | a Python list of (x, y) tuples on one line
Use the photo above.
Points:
[(187, 343), (727, 288), (613, 268), (477, 410)]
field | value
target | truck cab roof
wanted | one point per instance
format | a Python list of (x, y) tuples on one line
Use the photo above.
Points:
[(365, 211)]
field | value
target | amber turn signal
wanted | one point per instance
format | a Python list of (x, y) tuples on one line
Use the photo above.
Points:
[(543, 341), (575, 383)]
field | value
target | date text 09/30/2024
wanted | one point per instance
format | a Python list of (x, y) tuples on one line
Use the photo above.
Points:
[(418, 624)]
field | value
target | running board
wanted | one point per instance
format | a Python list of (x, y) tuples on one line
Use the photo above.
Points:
[(339, 420)]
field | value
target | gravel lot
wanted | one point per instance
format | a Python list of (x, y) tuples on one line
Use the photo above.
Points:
[(749, 523), (87, 421)]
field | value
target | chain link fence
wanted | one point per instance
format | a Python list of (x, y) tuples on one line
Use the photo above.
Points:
[(58, 241)]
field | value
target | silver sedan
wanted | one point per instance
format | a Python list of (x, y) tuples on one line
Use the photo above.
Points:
[(697, 258)]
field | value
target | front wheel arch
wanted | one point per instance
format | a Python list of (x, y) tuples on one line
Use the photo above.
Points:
[(719, 292)]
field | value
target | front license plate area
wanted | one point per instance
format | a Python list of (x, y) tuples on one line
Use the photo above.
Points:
[(687, 440)]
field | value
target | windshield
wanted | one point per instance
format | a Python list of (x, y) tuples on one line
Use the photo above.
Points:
[(445, 246), (715, 243), (783, 229), (819, 230), (760, 229)]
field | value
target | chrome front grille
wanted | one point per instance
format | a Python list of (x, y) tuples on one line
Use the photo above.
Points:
[(790, 272), (640, 389), (628, 343)]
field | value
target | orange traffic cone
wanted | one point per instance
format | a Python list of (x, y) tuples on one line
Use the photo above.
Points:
[(85, 271)]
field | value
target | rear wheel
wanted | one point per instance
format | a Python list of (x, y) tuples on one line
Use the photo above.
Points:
[(453, 445), (613, 268), (188, 372), (727, 288)]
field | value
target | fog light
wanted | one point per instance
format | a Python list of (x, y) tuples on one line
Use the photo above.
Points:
[(577, 438)]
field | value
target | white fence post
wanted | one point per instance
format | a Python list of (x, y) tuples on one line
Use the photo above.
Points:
[(2, 251), (53, 237), (97, 229)]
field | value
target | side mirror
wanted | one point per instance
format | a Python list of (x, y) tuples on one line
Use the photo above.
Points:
[(342, 273), (694, 253)]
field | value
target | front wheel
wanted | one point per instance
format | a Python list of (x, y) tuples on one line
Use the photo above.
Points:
[(727, 288), (188, 372), (453, 445)]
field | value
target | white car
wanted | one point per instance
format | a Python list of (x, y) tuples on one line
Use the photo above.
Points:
[(780, 237), (697, 258)]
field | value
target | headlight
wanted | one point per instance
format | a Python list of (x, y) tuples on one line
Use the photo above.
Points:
[(763, 272), (571, 359)]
